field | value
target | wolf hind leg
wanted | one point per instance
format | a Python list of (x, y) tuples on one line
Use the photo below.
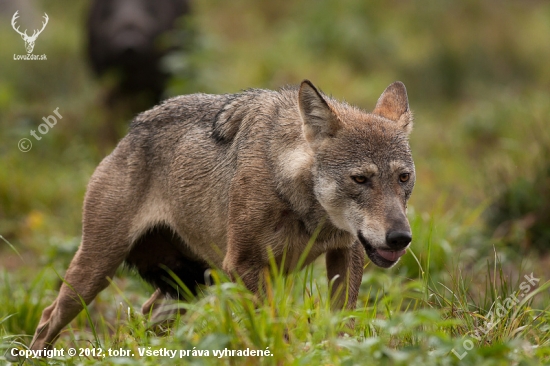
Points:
[(155, 299), (86, 277), (166, 301), (168, 266)]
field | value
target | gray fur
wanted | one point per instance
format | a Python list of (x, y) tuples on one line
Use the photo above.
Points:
[(215, 180)]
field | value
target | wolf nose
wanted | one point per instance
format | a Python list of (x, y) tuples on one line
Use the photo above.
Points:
[(398, 239)]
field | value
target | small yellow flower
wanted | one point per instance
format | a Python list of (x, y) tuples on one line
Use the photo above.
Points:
[(35, 220)]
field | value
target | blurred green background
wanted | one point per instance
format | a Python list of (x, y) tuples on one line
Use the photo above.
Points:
[(477, 75), (476, 71)]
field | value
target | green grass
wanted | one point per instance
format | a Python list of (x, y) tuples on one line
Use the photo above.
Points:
[(478, 81), (399, 320)]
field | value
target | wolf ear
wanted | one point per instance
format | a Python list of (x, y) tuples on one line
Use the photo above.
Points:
[(393, 104), (319, 120)]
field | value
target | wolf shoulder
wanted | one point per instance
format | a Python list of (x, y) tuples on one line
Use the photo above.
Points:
[(219, 117)]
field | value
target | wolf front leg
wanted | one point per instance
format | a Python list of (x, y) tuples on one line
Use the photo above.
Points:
[(345, 270), (249, 272)]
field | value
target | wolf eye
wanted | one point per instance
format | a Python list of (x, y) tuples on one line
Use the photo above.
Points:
[(404, 178), (360, 179)]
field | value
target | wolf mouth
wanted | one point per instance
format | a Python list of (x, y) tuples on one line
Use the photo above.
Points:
[(381, 257)]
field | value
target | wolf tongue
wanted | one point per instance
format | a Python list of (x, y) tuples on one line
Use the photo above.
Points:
[(390, 255)]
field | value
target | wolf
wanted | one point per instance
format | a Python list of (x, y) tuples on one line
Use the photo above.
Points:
[(230, 181)]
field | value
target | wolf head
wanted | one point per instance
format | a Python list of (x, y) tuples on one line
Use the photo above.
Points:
[(363, 171)]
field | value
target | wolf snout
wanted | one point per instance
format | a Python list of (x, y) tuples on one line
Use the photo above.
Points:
[(398, 239)]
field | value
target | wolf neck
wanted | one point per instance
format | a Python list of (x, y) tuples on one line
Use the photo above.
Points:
[(293, 173), (279, 137)]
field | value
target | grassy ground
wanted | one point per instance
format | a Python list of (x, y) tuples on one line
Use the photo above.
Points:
[(478, 83)]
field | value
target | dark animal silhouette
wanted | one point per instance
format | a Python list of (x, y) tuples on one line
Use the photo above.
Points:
[(123, 37), (125, 48)]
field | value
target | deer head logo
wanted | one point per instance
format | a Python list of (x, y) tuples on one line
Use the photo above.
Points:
[(29, 40)]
